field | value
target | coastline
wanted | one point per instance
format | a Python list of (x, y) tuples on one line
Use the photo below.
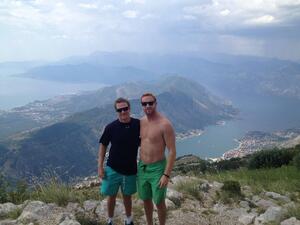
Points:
[(189, 134)]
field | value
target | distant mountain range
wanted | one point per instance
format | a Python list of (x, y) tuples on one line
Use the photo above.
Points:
[(41, 113), (226, 73), (70, 145)]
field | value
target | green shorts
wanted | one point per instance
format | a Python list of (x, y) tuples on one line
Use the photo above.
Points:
[(148, 181), (113, 180)]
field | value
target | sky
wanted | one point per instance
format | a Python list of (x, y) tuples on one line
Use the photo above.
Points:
[(52, 29)]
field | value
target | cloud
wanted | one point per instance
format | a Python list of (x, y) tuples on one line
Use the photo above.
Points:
[(88, 6), (266, 19), (130, 14), (80, 26), (135, 1)]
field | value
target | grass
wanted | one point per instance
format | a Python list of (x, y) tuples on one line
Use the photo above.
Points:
[(280, 180), (60, 193), (191, 188), (293, 212)]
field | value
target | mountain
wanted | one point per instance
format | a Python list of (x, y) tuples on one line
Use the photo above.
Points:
[(42, 113), (88, 73), (70, 146), (228, 74)]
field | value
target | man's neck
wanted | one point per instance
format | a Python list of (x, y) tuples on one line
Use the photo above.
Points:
[(153, 116), (125, 121)]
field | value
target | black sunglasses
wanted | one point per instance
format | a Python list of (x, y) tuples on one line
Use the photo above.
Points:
[(124, 109), (148, 103)]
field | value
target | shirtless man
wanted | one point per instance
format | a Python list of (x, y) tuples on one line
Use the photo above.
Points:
[(153, 169)]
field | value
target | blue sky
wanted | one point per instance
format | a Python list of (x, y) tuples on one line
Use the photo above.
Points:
[(50, 29)]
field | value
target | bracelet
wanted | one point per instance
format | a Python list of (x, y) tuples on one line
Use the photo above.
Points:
[(166, 175)]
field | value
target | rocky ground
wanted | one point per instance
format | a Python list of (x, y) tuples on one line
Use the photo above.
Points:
[(201, 207)]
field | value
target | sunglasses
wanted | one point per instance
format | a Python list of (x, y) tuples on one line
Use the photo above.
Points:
[(148, 103), (124, 109)]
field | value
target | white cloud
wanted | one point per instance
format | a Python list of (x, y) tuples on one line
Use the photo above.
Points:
[(88, 6), (135, 1), (130, 14), (101, 24), (225, 12), (266, 19)]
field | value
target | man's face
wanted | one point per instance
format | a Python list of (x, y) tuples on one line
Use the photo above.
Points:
[(123, 111), (148, 104)]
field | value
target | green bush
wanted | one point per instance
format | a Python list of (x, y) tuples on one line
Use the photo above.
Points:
[(232, 187), (296, 161), (19, 194), (3, 189), (271, 158)]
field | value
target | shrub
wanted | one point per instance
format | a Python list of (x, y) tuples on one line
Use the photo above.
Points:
[(270, 158), (231, 191), (232, 187), (296, 161), (3, 189), (19, 194)]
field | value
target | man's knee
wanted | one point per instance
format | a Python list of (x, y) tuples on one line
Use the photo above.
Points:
[(161, 205)]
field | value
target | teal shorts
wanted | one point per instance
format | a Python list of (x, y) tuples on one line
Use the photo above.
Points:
[(113, 180), (148, 181)]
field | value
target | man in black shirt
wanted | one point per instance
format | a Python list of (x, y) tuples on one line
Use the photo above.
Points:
[(121, 166)]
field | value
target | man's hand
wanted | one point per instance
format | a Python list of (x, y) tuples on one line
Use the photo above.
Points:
[(101, 172), (163, 182)]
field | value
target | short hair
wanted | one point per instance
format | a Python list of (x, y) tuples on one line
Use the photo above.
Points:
[(148, 94), (120, 100)]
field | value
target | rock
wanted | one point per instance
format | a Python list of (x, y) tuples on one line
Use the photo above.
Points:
[(8, 222), (244, 204), (7, 208), (247, 219), (69, 222), (33, 212), (74, 208), (170, 205), (277, 196), (174, 196), (265, 204), (290, 221), (205, 187), (273, 214), (101, 210), (217, 185), (90, 205)]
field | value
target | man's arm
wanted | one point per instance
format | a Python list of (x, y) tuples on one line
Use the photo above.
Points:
[(169, 137), (101, 156)]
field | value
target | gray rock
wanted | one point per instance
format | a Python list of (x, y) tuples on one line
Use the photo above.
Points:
[(205, 187), (33, 212), (244, 204), (90, 205), (101, 210), (6, 208), (290, 221), (265, 204), (69, 222), (277, 196), (8, 222), (273, 214), (247, 219), (170, 205), (174, 195)]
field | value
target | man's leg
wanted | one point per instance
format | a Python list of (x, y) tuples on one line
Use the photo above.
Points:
[(111, 202), (162, 212), (148, 206), (127, 204)]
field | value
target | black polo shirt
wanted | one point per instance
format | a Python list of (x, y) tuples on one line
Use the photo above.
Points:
[(125, 140)]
